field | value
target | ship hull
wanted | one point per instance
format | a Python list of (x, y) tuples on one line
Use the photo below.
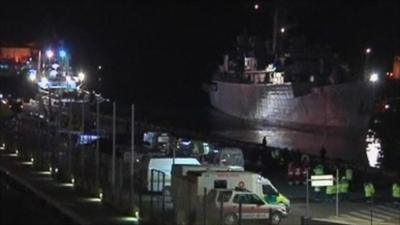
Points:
[(340, 107)]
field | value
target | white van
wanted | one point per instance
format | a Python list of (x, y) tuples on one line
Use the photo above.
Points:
[(199, 178), (161, 175)]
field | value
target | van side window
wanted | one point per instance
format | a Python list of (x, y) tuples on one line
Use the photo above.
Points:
[(247, 199), (220, 184), (224, 196)]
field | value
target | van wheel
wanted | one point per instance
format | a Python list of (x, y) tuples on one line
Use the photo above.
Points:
[(276, 218), (230, 219)]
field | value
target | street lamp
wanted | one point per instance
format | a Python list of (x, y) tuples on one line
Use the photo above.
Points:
[(49, 53), (256, 6), (368, 52), (373, 78), (283, 30), (62, 53)]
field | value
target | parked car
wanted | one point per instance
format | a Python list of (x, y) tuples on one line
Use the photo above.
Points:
[(253, 207)]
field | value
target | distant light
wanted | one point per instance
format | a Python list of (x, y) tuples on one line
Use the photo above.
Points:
[(101, 195), (81, 76), (368, 50), (68, 78), (387, 106), (32, 160), (49, 53), (91, 200), (42, 172), (53, 73), (283, 30), (44, 81), (32, 75), (373, 77), (62, 53), (99, 67), (55, 66), (256, 6)]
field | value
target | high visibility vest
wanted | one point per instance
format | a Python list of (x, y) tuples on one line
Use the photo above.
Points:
[(330, 190), (343, 186), (396, 190), (349, 174), (372, 188), (369, 190)]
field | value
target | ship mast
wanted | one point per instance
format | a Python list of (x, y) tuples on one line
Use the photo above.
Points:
[(275, 30)]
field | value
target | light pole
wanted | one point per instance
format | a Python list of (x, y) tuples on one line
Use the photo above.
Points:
[(97, 144), (132, 155), (368, 52)]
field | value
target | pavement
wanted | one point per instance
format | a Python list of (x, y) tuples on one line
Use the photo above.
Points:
[(76, 205), (354, 210)]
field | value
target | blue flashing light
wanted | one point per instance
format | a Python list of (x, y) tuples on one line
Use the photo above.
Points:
[(62, 53)]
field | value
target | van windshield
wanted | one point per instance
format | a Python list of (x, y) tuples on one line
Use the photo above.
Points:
[(269, 190)]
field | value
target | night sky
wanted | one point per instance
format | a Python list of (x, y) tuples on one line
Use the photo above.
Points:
[(160, 52)]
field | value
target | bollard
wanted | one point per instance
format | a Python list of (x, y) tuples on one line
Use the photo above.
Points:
[(151, 190), (371, 216), (205, 206), (163, 197), (221, 210)]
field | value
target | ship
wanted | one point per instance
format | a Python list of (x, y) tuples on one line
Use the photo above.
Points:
[(300, 89)]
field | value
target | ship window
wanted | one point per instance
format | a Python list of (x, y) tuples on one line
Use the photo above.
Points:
[(220, 184)]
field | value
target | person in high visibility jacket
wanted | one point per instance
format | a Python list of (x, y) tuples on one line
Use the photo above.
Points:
[(330, 192), (396, 193), (349, 177), (349, 174), (369, 191), (344, 188)]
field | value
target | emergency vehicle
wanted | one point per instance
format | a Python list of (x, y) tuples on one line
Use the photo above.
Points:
[(253, 207), (196, 179)]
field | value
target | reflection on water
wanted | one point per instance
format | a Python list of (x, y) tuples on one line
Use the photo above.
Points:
[(208, 120), (373, 150), (337, 147)]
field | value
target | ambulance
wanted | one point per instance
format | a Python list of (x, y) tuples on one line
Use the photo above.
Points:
[(200, 178)]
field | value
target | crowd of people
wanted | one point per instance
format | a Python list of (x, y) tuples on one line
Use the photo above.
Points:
[(300, 167)]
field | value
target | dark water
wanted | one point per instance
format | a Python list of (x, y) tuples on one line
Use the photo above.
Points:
[(350, 147)]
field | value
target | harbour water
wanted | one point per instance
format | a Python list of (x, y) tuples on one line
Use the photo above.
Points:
[(346, 146)]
